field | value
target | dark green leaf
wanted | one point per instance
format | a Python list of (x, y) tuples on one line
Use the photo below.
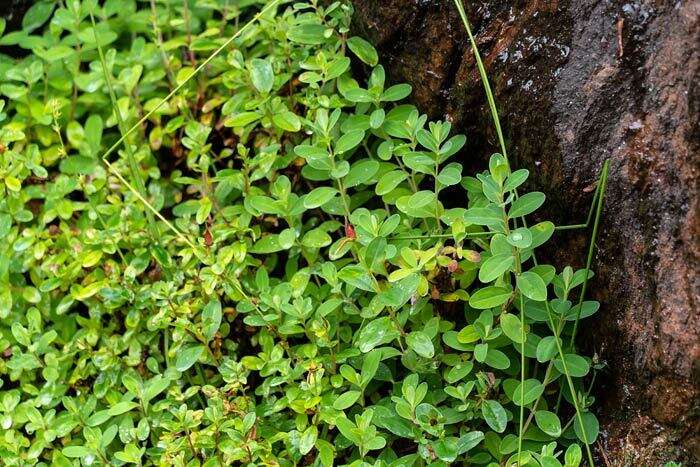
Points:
[(346, 400), (389, 181), (211, 319), (361, 172), (319, 196), (546, 349), (396, 93), (188, 357), (261, 75), (497, 359), (495, 266), (548, 422), (349, 141), (512, 327), (287, 121), (363, 50), (575, 364), (495, 415), (590, 430), (532, 286), (370, 364), (307, 34), (420, 344), (489, 297), (526, 204), (520, 238), (357, 277), (528, 392), (376, 332), (37, 15)]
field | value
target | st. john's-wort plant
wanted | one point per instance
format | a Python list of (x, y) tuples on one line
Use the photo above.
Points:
[(223, 245)]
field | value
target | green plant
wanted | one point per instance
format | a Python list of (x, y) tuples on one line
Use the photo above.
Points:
[(279, 280)]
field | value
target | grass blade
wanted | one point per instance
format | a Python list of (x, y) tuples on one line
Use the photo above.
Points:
[(484, 79), (522, 377), (572, 390), (148, 205)]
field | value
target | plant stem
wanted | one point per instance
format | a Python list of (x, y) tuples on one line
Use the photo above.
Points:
[(571, 227), (265, 9), (591, 246), (148, 205), (557, 333), (497, 125), (269, 6), (428, 237), (159, 43), (484, 80), (522, 377), (570, 383), (131, 157)]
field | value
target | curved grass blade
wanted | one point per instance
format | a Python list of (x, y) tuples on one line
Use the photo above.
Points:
[(484, 80), (148, 205)]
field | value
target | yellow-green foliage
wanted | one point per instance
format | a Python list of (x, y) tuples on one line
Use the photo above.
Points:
[(281, 264)]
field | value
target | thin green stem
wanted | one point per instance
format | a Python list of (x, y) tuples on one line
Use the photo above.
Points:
[(591, 246), (522, 377), (484, 79), (594, 202), (571, 227), (436, 190), (104, 226), (483, 234), (131, 157), (429, 237), (570, 383), (265, 9), (501, 140), (545, 380), (159, 43), (499, 132), (591, 210), (487, 89), (57, 129), (344, 198), (148, 205)]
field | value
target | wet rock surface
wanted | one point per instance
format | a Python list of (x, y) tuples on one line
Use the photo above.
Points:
[(577, 82), (13, 12)]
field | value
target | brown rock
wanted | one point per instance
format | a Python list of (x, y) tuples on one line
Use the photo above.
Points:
[(579, 81)]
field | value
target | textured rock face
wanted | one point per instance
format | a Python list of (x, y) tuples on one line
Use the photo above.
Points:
[(579, 81), (13, 11)]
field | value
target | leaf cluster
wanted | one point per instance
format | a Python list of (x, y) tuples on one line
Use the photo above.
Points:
[(321, 285)]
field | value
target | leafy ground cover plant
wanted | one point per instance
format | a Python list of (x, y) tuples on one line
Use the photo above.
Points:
[(228, 241)]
